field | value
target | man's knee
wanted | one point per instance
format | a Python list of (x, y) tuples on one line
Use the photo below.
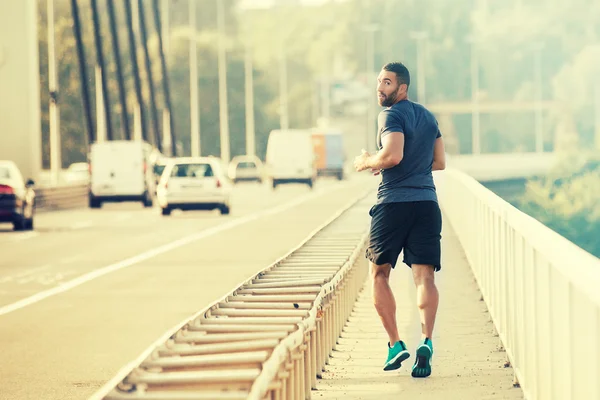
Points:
[(423, 274), (380, 272)]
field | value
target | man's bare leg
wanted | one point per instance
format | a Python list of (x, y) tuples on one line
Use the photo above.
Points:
[(427, 297), (384, 300), (427, 301)]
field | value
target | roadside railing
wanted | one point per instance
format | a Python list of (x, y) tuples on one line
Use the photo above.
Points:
[(268, 339), (542, 291), (61, 197)]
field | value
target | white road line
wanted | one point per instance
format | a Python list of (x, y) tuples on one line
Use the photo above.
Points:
[(63, 287)]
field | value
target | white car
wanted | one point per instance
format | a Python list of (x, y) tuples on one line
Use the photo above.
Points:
[(17, 197), (246, 168), (194, 183), (78, 173)]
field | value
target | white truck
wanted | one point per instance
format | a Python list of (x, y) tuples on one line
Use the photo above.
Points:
[(120, 170), (290, 157)]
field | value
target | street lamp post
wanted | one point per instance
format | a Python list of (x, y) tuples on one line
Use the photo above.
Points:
[(55, 145), (166, 38), (283, 89), (284, 120), (539, 128), (249, 92), (475, 120), (139, 123), (420, 37), (194, 100), (371, 84), (223, 111), (597, 113)]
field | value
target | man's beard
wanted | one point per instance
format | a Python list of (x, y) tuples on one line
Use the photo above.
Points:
[(388, 101)]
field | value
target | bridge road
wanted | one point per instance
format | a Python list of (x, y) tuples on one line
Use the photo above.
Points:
[(68, 345)]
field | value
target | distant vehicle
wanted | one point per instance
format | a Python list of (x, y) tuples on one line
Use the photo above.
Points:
[(194, 183), (290, 157), (78, 173), (17, 197), (158, 167), (120, 171), (246, 168), (329, 152)]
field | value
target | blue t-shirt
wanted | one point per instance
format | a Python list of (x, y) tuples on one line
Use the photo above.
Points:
[(411, 180)]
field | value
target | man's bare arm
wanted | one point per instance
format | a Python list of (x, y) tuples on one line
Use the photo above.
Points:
[(390, 155), (439, 155)]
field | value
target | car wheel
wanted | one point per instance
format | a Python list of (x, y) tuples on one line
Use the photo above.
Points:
[(94, 202), (224, 209), (19, 224), (166, 211), (147, 201)]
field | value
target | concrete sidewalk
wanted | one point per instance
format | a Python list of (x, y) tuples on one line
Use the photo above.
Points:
[(468, 361)]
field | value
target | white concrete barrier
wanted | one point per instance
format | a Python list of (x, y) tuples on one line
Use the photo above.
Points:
[(542, 291)]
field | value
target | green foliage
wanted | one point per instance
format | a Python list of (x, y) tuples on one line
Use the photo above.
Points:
[(567, 200)]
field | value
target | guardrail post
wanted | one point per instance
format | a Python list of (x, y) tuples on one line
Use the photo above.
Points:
[(328, 330), (282, 376), (319, 344), (313, 356), (307, 366), (289, 367)]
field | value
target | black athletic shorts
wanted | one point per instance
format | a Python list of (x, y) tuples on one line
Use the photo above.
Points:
[(414, 227)]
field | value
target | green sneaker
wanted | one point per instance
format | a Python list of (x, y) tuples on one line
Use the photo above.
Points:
[(422, 367), (396, 355)]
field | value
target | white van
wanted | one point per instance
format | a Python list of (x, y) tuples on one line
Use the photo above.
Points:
[(120, 170), (290, 157)]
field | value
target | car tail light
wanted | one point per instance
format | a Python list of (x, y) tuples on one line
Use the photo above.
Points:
[(218, 183), (5, 189)]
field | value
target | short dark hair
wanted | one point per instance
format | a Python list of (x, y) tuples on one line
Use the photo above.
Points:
[(402, 74)]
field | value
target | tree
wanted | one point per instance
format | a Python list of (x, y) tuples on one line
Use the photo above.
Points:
[(567, 200), (73, 135)]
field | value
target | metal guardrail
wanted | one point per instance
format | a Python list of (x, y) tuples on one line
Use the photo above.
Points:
[(541, 290), (61, 197), (268, 339)]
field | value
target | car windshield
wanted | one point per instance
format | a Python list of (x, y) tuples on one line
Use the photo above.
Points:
[(4, 173), (199, 170), (246, 164), (158, 169)]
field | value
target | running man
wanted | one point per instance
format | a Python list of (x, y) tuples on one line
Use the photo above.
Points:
[(406, 216)]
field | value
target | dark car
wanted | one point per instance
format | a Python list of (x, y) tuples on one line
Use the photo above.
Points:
[(17, 198)]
